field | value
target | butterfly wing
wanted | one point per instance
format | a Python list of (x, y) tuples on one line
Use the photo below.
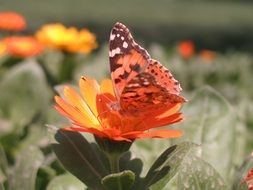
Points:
[(127, 58), (163, 77), (144, 94), (141, 84)]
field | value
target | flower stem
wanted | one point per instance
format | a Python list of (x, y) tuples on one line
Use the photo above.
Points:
[(114, 162)]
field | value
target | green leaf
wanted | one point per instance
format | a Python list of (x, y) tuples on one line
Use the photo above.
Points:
[(23, 175), (128, 162), (1, 186), (150, 149), (166, 166), (81, 158), (211, 122), (197, 174), (3, 161), (65, 182), (24, 94), (119, 181), (3, 167)]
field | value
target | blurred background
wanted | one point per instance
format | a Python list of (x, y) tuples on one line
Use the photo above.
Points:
[(206, 44), (217, 24)]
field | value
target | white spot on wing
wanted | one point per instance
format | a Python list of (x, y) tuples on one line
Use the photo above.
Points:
[(118, 35), (113, 52), (122, 38), (112, 36), (125, 45)]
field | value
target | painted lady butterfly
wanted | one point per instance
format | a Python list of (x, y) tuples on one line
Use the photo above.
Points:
[(141, 84)]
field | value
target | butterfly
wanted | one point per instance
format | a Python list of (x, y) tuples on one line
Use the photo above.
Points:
[(141, 84)]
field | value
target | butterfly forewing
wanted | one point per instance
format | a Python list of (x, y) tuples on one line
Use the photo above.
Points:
[(127, 58)]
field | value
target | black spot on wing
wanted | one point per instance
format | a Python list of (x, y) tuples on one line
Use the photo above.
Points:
[(117, 80), (125, 75), (135, 67), (114, 66)]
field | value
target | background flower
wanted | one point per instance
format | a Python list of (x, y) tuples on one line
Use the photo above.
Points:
[(22, 46), (186, 49), (2, 48), (67, 39), (12, 21), (207, 55)]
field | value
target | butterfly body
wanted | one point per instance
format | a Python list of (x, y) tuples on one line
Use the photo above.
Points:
[(141, 84)]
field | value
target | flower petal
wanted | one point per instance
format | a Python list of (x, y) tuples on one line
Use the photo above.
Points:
[(72, 112), (77, 101), (172, 109), (161, 134), (159, 122), (89, 90), (106, 86), (87, 130)]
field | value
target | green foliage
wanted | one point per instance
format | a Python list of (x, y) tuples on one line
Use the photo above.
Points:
[(212, 124), (80, 158), (119, 181), (166, 166), (197, 174), (65, 182), (23, 174)]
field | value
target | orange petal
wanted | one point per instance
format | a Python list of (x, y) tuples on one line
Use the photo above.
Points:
[(161, 134), (106, 86), (71, 112), (87, 130), (156, 122), (89, 90), (77, 101), (171, 110)]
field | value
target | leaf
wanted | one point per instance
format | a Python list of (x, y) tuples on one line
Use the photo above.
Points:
[(1, 186), (24, 94), (128, 162), (166, 166), (119, 181), (23, 175), (3, 162), (211, 122), (150, 149), (3, 167), (65, 182), (79, 157), (197, 174)]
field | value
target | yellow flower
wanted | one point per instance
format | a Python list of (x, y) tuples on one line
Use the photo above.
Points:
[(67, 39)]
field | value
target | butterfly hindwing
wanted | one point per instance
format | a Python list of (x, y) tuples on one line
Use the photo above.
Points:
[(163, 77)]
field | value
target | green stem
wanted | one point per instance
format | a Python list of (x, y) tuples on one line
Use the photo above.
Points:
[(114, 162), (67, 67)]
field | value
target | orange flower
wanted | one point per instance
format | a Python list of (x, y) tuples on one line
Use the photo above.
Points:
[(23, 46), (186, 49), (207, 55), (12, 21), (68, 39), (90, 113)]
